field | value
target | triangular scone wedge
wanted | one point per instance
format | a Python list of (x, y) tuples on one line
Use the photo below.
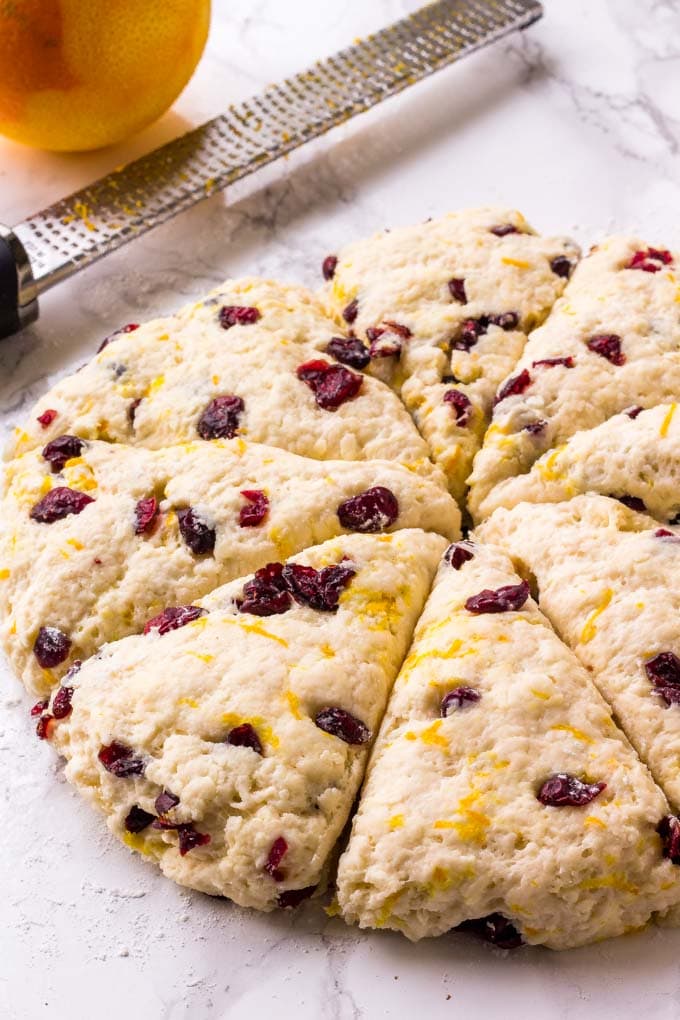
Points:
[(611, 343), (195, 375), (90, 553), (634, 456), (500, 791), (608, 580), (252, 730), (445, 307)]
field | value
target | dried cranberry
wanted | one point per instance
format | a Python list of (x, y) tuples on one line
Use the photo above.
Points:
[(387, 340), (503, 229), (563, 790), (666, 535), (137, 819), (671, 695), (567, 362), (495, 929), (318, 589), (328, 266), (456, 287), (221, 418), (669, 830), (61, 705), (120, 761), (292, 898), (651, 260), (350, 312), (633, 411), (632, 502), (44, 727), (47, 417), (469, 333), (277, 852), (73, 669), (561, 266), (369, 511), (472, 329), (130, 328), (506, 320), (61, 449), (349, 350), (664, 672), (331, 385), (132, 410), (535, 428), (165, 802), (381, 346), (607, 345), (514, 386), (664, 669), (39, 707), (458, 554), (245, 736), (255, 510), (59, 503), (342, 724), (459, 697), (190, 838), (146, 512), (397, 327), (266, 593), (510, 597), (238, 315), (199, 536), (461, 405), (51, 647), (172, 618)]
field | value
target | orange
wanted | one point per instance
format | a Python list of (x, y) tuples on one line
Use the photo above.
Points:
[(79, 74)]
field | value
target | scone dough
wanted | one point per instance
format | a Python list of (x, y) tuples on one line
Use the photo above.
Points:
[(173, 701), (91, 574), (450, 828), (608, 580), (152, 386), (561, 385), (433, 279), (634, 456)]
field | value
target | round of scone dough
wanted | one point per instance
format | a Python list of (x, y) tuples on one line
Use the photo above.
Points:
[(611, 343), (229, 750), (444, 306), (608, 582), (634, 456), (227, 366), (100, 537), (500, 795)]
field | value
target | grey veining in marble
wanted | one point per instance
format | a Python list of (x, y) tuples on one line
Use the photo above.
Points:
[(578, 124)]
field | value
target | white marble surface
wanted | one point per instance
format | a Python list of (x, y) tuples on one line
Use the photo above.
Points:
[(577, 123)]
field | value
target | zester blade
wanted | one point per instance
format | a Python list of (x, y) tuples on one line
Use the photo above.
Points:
[(53, 244)]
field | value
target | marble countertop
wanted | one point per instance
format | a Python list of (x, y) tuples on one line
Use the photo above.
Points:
[(576, 123)]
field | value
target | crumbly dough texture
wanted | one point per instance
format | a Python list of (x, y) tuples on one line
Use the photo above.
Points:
[(174, 699), (623, 457), (609, 584), (449, 827), (95, 579), (602, 298), (403, 276), (177, 365)]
